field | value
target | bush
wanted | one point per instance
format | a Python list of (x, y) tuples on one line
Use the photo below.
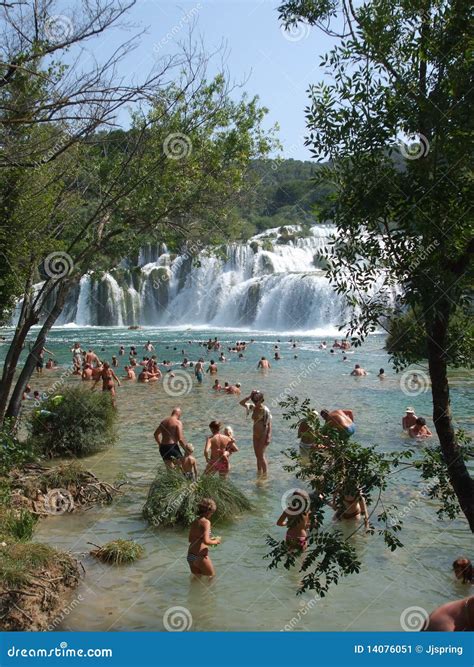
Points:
[(17, 525), (79, 423), (119, 552), (173, 499), (13, 453)]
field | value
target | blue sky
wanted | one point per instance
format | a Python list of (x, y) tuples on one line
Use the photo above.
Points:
[(279, 66)]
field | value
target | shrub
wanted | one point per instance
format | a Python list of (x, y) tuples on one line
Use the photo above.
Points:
[(17, 525), (173, 499), (119, 552), (81, 423), (13, 453)]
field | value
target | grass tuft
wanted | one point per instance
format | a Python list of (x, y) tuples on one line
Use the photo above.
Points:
[(119, 552)]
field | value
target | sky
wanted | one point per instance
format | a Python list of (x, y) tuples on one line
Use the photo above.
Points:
[(275, 65)]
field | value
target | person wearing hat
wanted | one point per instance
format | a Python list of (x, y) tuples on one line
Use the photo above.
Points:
[(409, 419)]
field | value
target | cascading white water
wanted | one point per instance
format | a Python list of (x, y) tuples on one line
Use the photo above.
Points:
[(270, 282)]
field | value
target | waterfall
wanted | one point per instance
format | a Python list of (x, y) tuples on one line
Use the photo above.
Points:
[(273, 281)]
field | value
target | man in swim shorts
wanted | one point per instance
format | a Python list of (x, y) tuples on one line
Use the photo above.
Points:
[(198, 370), (169, 436), (342, 420)]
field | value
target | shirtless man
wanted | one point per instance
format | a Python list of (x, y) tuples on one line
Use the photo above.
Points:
[(217, 450), (212, 368), (130, 373), (148, 346), (419, 429), (198, 370), (109, 379), (87, 372), (144, 376), (169, 436), (457, 616), (342, 420), (91, 358), (264, 364), (358, 371), (409, 419), (234, 388)]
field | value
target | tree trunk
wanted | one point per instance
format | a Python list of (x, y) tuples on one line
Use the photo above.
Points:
[(461, 481), (14, 405)]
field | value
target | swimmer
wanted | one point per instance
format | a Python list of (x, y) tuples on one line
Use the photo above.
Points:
[(262, 428), (109, 379), (212, 368), (217, 450), (216, 386), (263, 364), (409, 419), (358, 371), (169, 436), (342, 420), (296, 520), (188, 463), (381, 374), (419, 429), (463, 570), (198, 370), (130, 373), (200, 539), (457, 616)]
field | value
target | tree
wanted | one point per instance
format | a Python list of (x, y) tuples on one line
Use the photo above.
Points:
[(146, 190), (396, 127)]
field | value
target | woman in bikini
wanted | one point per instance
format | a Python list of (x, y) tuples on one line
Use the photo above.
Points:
[(217, 450), (109, 379), (296, 520), (351, 506), (200, 539), (262, 428)]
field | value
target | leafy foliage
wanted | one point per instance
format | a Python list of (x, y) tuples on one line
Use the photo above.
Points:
[(173, 499), (341, 467), (82, 423), (17, 525), (13, 453)]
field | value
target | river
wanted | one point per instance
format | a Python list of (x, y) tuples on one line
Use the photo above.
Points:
[(246, 595)]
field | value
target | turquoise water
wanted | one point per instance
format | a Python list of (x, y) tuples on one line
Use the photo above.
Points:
[(245, 595)]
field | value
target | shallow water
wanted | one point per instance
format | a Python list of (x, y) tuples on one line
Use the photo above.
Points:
[(245, 595)]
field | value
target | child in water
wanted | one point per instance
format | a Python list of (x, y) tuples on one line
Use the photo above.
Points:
[(200, 539), (296, 520), (188, 463)]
